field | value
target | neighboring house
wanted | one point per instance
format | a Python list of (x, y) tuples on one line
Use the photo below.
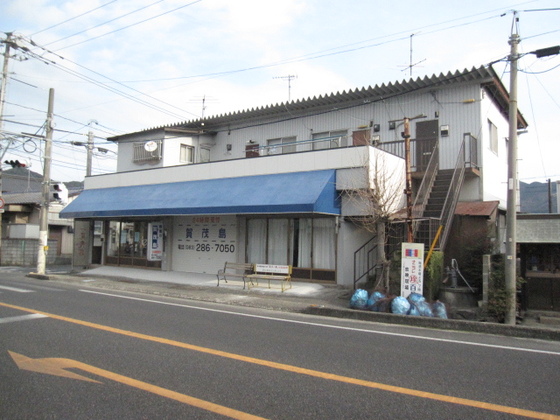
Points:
[(21, 222), (538, 236), (277, 184)]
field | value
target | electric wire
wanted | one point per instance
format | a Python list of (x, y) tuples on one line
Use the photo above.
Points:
[(73, 18), (104, 23), (129, 26)]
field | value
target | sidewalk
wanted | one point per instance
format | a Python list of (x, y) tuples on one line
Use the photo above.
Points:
[(303, 297)]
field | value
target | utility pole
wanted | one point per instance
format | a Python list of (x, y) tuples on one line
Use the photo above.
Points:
[(408, 188), (44, 216), (8, 44), (511, 225), (89, 152)]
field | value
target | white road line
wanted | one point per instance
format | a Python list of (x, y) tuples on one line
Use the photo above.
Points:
[(15, 289), (21, 318), (361, 330)]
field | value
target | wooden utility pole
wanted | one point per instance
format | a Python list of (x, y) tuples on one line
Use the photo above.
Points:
[(44, 216), (408, 188)]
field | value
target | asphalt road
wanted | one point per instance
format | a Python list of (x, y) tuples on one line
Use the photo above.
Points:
[(76, 352)]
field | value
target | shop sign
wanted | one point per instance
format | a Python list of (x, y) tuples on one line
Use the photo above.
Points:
[(412, 269), (155, 243)]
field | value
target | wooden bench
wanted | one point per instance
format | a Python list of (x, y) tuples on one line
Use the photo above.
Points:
[(283, 273), (235, 270)]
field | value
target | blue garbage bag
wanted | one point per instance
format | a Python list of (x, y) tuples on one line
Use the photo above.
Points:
[(416, 297), (382, 305), (413, 310), (439, 310), (400, 305), (375, 296), (359, 299), (424, 308)]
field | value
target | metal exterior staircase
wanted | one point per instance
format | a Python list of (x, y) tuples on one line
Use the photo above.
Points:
[(441, 204)]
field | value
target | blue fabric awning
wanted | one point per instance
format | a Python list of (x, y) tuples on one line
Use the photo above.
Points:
[(298, 192)]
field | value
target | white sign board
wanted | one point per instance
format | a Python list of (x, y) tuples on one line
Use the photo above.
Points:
[(155, 241), (202, 244), (412, 268)]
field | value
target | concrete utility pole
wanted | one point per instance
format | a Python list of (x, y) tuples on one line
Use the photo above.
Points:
[(44, 217), (89, 152), (8, 44), (511, 225)]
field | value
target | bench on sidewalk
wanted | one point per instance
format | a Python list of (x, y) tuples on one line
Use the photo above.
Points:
[(269, 272), (235, 270)]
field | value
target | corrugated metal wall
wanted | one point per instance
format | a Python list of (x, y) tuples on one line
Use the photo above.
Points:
[(458, 108)]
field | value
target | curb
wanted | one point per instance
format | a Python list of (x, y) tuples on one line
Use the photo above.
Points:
[(443, 324)]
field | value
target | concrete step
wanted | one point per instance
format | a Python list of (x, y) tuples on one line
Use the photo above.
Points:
[(549, 320)]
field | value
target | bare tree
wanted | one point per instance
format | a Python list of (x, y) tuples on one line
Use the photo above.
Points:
[(377, 196)]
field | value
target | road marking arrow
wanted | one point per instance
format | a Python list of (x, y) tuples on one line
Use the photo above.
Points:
[(58, 366), (48, 366)]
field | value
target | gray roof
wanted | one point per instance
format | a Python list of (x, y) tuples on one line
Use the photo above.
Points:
[(485, 76), (23, 198)]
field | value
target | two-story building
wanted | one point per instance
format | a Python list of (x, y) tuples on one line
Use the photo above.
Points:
[(278, 184)]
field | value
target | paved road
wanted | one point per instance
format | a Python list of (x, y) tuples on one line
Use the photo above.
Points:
[(73, 351)]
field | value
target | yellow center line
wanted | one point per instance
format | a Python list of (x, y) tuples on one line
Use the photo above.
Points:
[(302, 371)]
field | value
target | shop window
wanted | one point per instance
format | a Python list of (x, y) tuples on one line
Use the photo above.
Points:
[(301, 242)]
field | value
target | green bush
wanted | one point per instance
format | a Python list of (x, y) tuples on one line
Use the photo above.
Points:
[(433, 276), (498, 299)]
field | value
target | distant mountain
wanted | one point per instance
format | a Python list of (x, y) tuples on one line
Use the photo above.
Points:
[(534, 197), (21, 180)]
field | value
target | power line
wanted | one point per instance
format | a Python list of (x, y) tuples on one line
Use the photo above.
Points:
[(73, 18), (129, 26), (104, 23), (106, 86)]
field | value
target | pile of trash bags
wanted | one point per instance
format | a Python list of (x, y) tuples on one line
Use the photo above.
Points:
[(415, 304)]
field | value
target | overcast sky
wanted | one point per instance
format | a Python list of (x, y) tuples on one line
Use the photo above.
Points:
[(121, 66)]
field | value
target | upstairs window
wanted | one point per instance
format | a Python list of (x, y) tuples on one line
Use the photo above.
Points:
[(281, 145), (147, 151), (186, 154), (493, 137), (330, 139)]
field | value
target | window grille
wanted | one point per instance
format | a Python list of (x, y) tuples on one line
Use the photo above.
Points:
[(143, 153)]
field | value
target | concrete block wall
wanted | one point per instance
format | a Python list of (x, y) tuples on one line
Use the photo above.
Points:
[(23, 252)]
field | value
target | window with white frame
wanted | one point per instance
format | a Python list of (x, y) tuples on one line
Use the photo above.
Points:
[(493, 137), (281, 145), (186, 154), (330, 139)]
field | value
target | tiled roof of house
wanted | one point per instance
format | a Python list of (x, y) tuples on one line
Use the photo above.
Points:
[(476, 208)]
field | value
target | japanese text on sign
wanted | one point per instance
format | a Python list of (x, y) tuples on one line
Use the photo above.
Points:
[(412, 270)]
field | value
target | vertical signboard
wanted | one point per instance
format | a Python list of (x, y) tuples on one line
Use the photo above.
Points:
[(155, 241), (412, 268)]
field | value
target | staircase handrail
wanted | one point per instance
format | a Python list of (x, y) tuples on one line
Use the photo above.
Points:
[(361, 253), (426, 185), (452, 196)]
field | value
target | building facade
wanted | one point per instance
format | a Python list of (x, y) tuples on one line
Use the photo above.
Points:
[(283, 184)]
